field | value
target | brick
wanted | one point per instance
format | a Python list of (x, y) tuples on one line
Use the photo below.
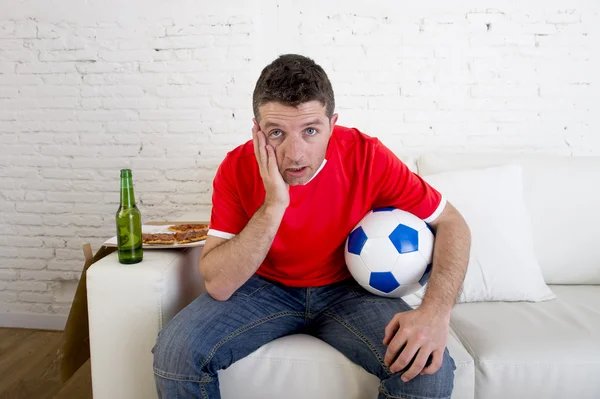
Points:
[(504, 91), (26, 286), (18, 80), (47, 115), (132, 103), (37, 159), (21, 263), (58, 309), (137, 127), (35, 297), (8, 115), (11, 44), (47, 275), (47, 30), (105, 116), (49, 91), (22, 55), (7, 138), (13, 195), (200, 103), (67, 265), (180, 42), (48, 103), (143, 80), (18, 172), (125, 56), (67, 42), (8, 67), (168, 115), (172, 66), (182, 91), (7, 275), (112, 91), (8, 92), (6, 296), (70, 197), (96, 163), (72, 220), (72, 174), (106, 67), (69, 55), (69, 79)]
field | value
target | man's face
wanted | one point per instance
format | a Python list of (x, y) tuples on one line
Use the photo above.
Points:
[(299, 136)]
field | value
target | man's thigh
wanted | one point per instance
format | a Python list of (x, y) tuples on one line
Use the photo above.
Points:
[(209, 335), (356, 325)]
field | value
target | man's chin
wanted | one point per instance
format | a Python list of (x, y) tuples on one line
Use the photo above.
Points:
[(297, 181)]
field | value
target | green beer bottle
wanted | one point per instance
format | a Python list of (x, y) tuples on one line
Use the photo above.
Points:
[(129, 223)]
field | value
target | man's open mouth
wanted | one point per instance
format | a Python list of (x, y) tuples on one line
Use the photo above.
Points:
[(296, 171)]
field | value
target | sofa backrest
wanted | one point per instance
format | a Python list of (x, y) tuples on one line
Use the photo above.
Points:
[(562, 195)]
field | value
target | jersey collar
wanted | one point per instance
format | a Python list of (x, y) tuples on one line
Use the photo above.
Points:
[(317, 172)]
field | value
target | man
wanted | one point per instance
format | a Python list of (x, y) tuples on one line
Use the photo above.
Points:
[(283, 206)]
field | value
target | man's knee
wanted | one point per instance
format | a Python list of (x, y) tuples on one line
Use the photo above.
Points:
[(179, 350), (437, 385)]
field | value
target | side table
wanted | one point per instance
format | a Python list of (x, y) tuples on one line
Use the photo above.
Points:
[(127, 306)]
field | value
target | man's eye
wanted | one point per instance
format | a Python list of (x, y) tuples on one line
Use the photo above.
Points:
[(311, 132), (275, 133)]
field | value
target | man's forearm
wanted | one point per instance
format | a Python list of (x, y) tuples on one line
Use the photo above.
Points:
[(232, 263), (450, 260)]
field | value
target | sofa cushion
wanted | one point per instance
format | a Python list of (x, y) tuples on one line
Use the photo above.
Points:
[(306, 367), (546, 350), (562, 196), (502, 262)]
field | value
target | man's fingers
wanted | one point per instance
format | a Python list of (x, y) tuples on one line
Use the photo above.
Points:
[(271, 161), (436, 363), (417, 365), (404, 357), (255, 142), (394, 347), (262, 151)]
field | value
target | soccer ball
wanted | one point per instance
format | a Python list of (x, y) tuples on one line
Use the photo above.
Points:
[(389, 252)]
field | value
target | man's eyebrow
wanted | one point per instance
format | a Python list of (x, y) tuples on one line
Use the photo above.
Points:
[(313, 122), (271, 124), (309, 123)]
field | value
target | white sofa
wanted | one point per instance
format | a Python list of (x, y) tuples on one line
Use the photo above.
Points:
[(548, 349)]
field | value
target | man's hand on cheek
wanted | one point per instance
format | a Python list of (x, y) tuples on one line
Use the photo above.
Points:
[(277, 190)]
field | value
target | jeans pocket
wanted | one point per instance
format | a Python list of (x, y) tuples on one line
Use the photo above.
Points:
[(252, 286)]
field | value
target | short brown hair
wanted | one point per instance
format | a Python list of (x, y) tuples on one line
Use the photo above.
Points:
[(292, 80)]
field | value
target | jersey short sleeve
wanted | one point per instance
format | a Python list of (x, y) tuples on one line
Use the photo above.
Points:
[(228, 217), (397, 186)]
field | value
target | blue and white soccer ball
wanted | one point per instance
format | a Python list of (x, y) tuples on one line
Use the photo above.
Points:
[(389, 252)]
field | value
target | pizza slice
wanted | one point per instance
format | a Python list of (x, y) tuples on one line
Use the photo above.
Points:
[(188, 226), (184, 237), (158, 238)]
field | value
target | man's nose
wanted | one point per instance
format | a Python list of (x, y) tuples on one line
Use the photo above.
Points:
[(295, 149)]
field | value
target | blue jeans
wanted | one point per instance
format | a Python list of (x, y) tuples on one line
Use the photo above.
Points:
[(208, 335)]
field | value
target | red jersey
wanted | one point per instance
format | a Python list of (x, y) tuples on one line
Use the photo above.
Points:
[(358, 174)]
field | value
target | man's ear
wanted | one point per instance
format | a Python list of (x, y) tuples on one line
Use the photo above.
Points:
[(333, 121)]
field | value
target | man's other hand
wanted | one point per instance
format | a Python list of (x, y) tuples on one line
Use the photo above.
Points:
[(421, 331)]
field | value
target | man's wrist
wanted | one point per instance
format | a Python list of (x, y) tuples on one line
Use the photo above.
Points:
[(436, 310), (273, 211)]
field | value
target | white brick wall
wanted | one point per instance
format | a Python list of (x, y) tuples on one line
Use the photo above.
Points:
[(87, 88)]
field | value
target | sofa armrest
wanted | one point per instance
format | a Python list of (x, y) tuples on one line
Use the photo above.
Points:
[(127, 306)]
